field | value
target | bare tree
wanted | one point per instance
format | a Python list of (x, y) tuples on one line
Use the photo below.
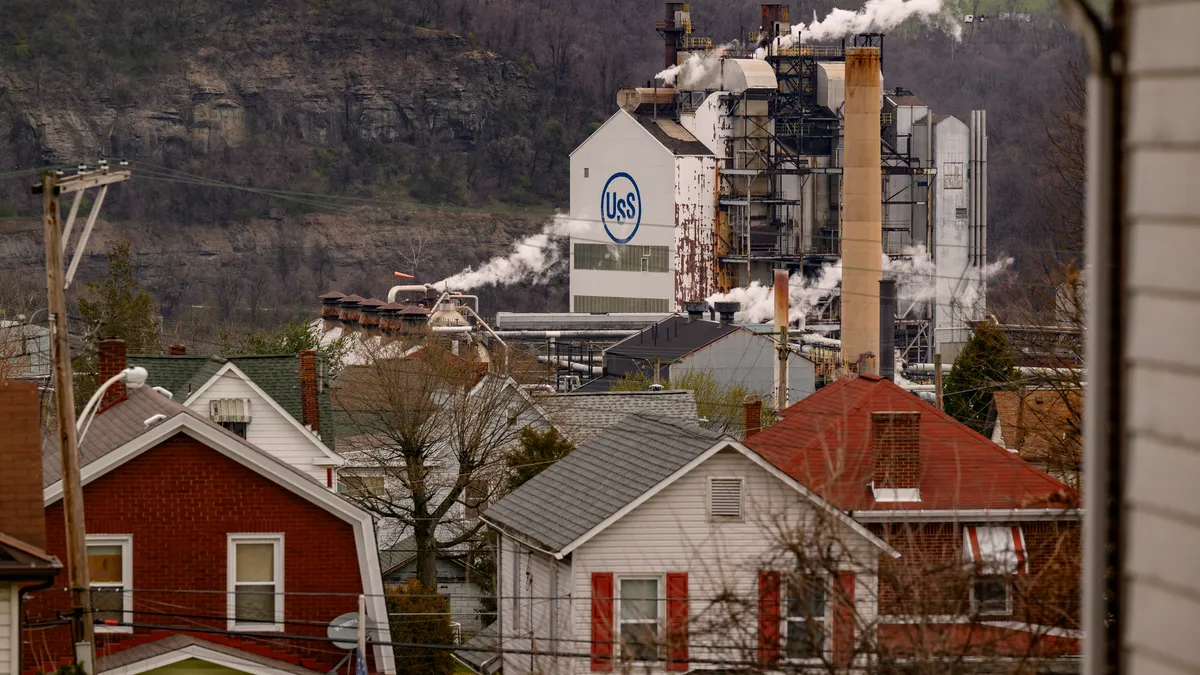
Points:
[(435, 421)]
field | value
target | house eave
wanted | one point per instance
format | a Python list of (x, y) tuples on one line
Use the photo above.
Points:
[(962, 515)]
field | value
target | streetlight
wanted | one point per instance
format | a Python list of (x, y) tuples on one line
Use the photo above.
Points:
[(134, 377)]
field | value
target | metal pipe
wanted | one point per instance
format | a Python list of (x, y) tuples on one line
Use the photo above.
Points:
[(1024, 370), (450, 329), (409, 288), (564, 363), (564, 333)]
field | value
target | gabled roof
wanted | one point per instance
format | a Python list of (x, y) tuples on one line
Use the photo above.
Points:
[(580, 491), (121, 433), (824, 442), (278, 375), (584, 414), (576, 498), (210, 648), (1037, 423), (671, 339)]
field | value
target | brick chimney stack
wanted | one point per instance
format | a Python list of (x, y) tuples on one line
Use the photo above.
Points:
[(753, 418), (309, 409), (176, 350), (112, 361), (22, 513), (896, 450)]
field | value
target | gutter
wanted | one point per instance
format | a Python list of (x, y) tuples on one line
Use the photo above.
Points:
[(960, 515), (520, 537)]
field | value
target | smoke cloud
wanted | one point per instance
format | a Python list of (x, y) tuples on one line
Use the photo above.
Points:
[(875, 15), (916, 278), (532, 259), (698, 72)]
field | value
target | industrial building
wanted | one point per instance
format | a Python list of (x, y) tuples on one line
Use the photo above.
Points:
[(792, 160)]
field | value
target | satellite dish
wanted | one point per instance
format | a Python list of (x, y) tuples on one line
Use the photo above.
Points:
[(344, 631)]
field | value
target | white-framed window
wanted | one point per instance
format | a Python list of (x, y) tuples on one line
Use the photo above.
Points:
[(255, 581), (361, 484), (110, 570), (725, 499), (991, 594), (804, 622), (639, 610)]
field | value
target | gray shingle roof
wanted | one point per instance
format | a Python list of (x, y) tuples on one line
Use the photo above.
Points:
[(584, 414), (481, 653), (599, 478)]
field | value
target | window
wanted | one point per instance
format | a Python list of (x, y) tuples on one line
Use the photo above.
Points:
[(255, 582), (804, 625), (645, 264), (725, 498), (615, 257), (990, 594), (110, 569), (361, 486), (585, 172), (639, 619), (231, 413), (600, 304)]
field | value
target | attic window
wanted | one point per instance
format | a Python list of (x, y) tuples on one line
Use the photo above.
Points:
[(725, 498), (231, 413)]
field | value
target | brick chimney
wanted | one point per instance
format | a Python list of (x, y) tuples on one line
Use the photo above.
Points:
[(896, 452), (22, 514), (753, 419), (176, 350), (309, 409), (112, 361)]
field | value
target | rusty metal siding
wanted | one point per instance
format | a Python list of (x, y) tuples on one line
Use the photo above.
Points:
[(695, 221)]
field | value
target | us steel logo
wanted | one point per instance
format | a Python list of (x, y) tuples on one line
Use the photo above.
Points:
[(621, 207)]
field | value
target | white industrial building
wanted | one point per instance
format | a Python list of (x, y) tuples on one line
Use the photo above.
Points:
[(707, 186)]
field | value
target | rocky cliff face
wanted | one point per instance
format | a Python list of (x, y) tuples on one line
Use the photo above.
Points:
[(390, 115)]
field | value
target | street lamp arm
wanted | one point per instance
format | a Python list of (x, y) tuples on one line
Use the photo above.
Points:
[(134, 377)]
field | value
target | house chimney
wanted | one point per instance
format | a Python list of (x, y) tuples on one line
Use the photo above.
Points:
[(862, 213), (753, 418), (887, 329), (309, 410), (23, 513), (727, 310), (176, 350), (112, 361), (330, 311), (782, 352), (896, 450), (695, 310)]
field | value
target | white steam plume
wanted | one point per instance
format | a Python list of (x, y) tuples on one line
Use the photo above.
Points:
[(916, 278), (531, 259), (875, 15), (699, 72)]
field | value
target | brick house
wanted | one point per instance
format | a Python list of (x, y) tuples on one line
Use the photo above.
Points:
[(989, 547), (204, 547), (25, 567)]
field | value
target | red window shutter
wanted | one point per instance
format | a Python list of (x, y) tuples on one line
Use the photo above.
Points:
[(677, 621), (602, 622), (843, 619), (768, 617)]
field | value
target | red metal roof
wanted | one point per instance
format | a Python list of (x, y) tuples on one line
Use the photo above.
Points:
[(824, 442)]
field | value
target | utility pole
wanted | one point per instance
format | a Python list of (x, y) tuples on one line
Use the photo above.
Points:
[(937, 379), (82, 632)]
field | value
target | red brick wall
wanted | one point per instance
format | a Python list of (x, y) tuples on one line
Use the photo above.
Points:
[(895, 446), (308, 389), (21, 513), (179, 500), (929, 578), (112, 361)]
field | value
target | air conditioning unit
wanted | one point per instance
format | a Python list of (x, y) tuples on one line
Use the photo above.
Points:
[(222, 410)]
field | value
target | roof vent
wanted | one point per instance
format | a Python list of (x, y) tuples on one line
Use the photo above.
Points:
[(164, 392), (151, 421), (725, 498)]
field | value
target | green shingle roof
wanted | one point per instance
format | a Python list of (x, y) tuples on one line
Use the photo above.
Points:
[(278, 375)]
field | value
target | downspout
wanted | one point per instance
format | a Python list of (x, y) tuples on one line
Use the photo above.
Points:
[(1103, 421)]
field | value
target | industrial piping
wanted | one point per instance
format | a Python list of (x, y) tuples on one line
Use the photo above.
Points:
[(862, 197)]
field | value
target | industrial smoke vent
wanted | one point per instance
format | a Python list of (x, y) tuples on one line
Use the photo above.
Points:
[(862, 209)]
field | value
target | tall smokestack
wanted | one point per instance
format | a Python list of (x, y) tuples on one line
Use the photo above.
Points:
[(862, 210), (781, 335), (887, 329)]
